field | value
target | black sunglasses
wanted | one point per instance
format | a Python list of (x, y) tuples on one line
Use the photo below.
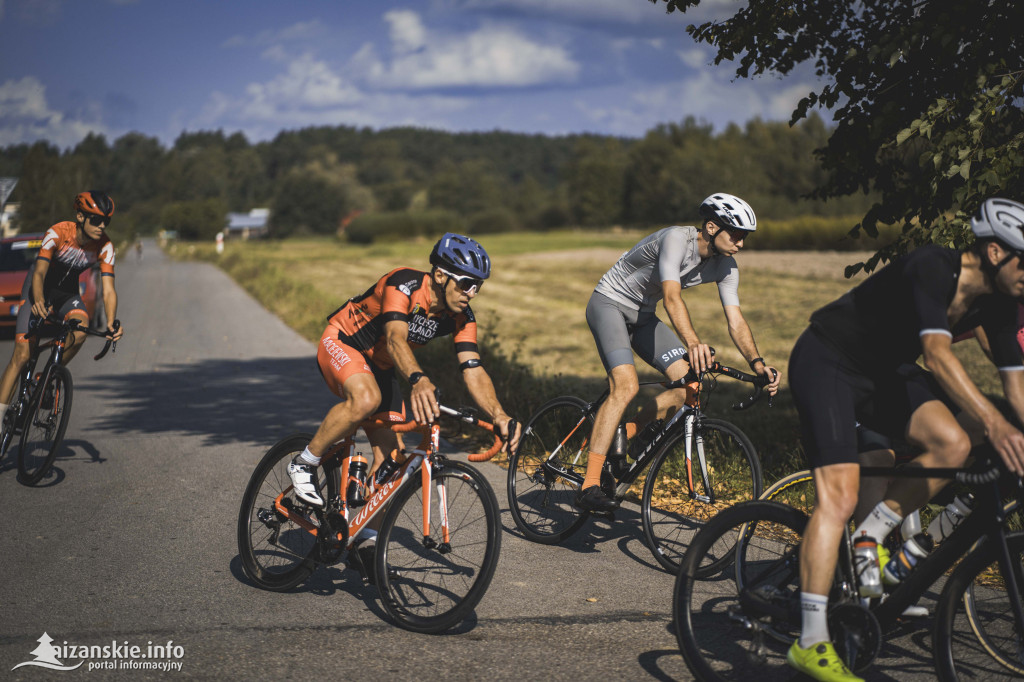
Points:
[(99, 221)]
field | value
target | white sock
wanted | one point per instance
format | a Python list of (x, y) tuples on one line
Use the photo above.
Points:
[(814, 608), (879, 522), (309, 458), (366, 535)]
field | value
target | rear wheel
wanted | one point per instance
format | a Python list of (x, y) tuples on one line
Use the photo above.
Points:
[(276, 552), (45, 422), (553, 447), (673, 511), (430, 583)]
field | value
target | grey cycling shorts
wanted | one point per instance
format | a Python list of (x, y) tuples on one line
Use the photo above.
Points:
[(620, 330)]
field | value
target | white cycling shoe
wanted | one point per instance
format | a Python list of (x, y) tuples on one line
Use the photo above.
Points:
[(304, 482)]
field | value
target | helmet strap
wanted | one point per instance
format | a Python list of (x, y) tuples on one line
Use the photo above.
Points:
[(712, 246)]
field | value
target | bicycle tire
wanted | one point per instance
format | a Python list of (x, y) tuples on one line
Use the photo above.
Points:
[(543, 504), (974, 631), (10, 420), (430, 589), (670, 516), (739, 624), (276, 553), (43, 428)]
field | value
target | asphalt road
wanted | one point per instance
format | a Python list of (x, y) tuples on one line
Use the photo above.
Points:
[(132, 540)]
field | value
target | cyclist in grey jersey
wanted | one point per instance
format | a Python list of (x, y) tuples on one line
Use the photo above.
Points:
[(668, 254), (621, 315)]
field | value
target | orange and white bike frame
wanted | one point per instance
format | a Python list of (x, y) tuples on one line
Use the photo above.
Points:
[(377, 498)]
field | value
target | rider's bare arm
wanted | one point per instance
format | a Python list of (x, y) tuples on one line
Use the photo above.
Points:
[(700, 354), (743, 338), (110, 305), (954, 380), (39, 307), (481, 388), (424, 403)]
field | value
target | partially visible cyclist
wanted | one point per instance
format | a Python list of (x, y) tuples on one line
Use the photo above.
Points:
[(622, 316), (51, 285), (371, 337), (856, 363)]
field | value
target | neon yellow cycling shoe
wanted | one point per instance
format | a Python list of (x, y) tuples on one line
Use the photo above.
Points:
[(883, 559), (821, 662)]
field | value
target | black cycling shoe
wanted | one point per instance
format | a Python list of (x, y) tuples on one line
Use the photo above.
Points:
[(363, 558), (593, 499)]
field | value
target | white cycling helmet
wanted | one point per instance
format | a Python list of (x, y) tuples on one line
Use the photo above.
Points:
[(1002, 220), (729, 211)]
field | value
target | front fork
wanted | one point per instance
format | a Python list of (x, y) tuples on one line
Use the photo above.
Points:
[(694, 439)]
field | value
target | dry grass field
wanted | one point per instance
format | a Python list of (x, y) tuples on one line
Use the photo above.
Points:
[(532, 311)]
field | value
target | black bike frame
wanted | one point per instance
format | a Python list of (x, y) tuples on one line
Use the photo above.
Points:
[(985, 522)]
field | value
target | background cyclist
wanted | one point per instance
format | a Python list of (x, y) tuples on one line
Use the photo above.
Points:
[(621, 315), (855, 363), (372, 336), (69, 249)]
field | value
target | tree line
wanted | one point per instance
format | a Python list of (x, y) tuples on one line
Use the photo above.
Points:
[(316, 180)]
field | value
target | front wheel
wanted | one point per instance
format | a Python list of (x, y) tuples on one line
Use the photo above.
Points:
[(680, 496), (545, 472), (49, 409), (276, 552), (738, 624), (429, 583), (975, 636)]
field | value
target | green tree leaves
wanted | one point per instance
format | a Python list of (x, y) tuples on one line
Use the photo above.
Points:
[(926, 97)]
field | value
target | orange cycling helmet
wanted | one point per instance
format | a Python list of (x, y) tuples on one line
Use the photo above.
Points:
[(94, 202)]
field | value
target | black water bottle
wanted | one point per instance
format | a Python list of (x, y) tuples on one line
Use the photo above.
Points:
[(357, 468), (617, 453)]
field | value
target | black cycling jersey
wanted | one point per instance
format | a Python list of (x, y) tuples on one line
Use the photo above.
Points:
[(879, 323)]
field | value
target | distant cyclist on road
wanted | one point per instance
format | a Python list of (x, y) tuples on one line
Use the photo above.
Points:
[(621, 315), (371, 337), (856, 363), (51, 285)]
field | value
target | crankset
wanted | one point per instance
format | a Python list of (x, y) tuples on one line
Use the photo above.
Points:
[(856, 634), (329, 546)]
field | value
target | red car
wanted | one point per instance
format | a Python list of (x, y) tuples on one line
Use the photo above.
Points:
[(17, 254)]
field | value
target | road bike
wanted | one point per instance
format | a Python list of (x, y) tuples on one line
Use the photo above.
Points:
[(437, 546), (698, 466), (41, 407), (741, 620)]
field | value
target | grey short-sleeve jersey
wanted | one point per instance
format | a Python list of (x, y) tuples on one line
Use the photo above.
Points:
[(668, 254)]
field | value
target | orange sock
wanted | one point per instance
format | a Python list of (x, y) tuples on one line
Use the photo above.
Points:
[(631, 429), (595, 460)]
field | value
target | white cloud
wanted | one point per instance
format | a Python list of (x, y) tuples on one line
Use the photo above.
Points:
[(407, 31), (707, 96), (26, 116), (493, 56), (307, 84), (695, 57), (301, 31), (309, 92)]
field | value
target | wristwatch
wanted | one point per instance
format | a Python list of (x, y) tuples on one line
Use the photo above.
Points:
[(414, 377)]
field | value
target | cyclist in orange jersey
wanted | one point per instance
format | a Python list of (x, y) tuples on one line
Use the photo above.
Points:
[(51, 285), (371, 337)]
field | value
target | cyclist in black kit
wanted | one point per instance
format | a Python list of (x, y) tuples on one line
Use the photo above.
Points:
[(856, 363)]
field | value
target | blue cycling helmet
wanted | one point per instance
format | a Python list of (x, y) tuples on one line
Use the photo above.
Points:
[(461, 255)]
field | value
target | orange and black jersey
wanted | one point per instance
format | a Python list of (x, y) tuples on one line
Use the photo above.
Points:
[(68, 259), (402, 294)]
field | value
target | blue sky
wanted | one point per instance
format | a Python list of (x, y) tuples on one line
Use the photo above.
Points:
[(70, 67)]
